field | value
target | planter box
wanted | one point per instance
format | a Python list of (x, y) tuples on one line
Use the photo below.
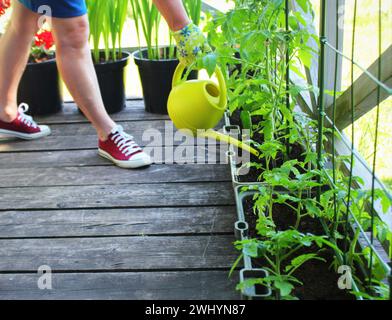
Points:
[(234, 159), (253, 268), (255, 292), (243, 231)]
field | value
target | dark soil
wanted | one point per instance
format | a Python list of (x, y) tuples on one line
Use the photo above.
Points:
[(319, 280)]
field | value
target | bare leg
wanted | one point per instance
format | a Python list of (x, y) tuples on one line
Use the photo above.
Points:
[(77, 70), (14, 52), (174, 13)]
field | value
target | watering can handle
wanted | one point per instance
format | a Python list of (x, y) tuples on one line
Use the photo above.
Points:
[(222, 83)]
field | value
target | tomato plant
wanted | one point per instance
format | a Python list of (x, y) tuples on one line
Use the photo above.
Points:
[(262, 43)]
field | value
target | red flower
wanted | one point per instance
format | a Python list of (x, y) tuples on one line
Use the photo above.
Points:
[(44, 39), (4, 5)]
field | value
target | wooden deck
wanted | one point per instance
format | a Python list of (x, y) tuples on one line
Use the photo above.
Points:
[(165, 232)]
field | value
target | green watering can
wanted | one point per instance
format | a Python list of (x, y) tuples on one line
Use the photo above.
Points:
[(200, 105)]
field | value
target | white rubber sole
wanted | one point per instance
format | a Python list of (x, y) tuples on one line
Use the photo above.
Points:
[(140, 160), (7, 134)]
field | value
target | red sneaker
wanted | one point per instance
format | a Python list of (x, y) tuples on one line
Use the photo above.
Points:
[(23, 127), (123, 151)]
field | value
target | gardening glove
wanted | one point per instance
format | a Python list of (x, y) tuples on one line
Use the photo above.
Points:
[(191, 43)]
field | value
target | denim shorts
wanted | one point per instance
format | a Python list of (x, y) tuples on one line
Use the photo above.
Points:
[(58, 8)]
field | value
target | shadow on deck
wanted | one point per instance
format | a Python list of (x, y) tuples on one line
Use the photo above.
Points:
[(165, 232)]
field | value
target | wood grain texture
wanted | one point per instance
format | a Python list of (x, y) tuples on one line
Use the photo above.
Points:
[(133, 112), (116, 222), (121, 253), (134, 128), (120, 196), (197, 285), (82, 158), (164, 232), (111, 175), (83, 136), (365, 93), (152, 138)]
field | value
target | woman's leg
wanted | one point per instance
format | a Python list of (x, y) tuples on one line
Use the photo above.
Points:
[(14, 52), (77, 70)]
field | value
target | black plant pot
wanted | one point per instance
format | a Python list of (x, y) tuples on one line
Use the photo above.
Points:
[(111, 79), (40, 88), (156, 77)]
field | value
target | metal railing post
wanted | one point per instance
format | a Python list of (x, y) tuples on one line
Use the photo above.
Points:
[(321, 101)]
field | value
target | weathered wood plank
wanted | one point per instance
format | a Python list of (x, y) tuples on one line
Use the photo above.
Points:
[(70, 114), (116, 222), (77, 137), (135, 128), (56, 143), (365, 93), (81, 158), (150, 225), (120, 196), (120, 253), (111, 175), (51, 143), (198, 285), (55, 159)]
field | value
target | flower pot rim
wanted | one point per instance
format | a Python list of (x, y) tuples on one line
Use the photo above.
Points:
[(136, 56), (126, 56), (49, 61)]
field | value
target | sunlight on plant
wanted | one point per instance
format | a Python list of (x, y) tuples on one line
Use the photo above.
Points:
[(366, 52)]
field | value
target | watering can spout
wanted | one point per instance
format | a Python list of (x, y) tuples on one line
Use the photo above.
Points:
[(229, 140), (200, 105)]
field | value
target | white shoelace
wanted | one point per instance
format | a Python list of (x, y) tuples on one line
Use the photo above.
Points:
[(27, 120), (124, 141)]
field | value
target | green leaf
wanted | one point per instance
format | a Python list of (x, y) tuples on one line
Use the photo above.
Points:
[(209, 62), (300, 260), (282, 198), (284, 287), (304, 4), (312, 209), (385, 201), (251, 249), (246, 121), (306, 57)]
